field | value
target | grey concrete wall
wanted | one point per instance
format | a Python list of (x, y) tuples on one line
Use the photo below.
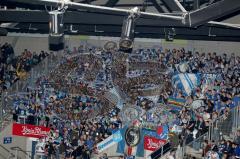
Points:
[(38, 42), (193, 45), (35, 43), (17, 141), (205, 46)]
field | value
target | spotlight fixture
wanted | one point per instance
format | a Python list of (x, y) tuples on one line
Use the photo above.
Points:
[(56, 30), (3, 32), (127, 36), (169, 34), (56, 23)]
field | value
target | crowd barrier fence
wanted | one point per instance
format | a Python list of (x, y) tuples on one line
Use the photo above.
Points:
[(42, 69), (224, 127)]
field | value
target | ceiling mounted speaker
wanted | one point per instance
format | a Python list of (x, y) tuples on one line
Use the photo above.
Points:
[(127, 36), (128, 31), (3, 32), (56, 43), (56, 30)]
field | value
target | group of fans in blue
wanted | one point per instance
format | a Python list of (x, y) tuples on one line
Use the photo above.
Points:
[(74, 134), (13, 68)]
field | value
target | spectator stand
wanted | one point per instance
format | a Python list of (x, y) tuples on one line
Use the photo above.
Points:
[(210, 111), (47, 97), (220, 107), (42, 90), (224, 128), (25, 113), (21, 85)]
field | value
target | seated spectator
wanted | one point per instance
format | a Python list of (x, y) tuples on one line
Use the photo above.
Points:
[(74, 107), (13, 68)]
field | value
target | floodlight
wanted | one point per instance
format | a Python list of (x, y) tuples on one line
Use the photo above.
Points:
[(127, 36), (169, 35), (56, 30)]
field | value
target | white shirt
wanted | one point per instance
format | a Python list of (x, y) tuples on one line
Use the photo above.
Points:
[(170, 157), (39, 150), (212, 155)]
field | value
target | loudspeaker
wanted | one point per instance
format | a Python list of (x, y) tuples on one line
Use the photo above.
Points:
[(56, 31), (127, 35), (3, 32), (56, 43)]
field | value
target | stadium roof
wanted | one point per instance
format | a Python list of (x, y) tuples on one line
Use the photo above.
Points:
[(203, 19)]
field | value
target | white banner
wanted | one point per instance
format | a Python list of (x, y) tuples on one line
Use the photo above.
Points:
[(110, 141)]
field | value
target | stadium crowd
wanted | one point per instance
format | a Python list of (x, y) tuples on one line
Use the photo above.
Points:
[(207, 102), (13, 68), (73, 134), (75, 128), (70, 107)]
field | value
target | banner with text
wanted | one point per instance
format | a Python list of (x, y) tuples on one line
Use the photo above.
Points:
[(110, 141), (29, 130), (152, 143)]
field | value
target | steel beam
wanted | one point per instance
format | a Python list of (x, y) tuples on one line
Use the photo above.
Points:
[(212, 12), (201, 33), (173, 5), (14, 16), (22, 16), (157, 6), (97, 9)]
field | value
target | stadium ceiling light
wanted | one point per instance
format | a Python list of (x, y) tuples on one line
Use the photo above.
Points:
[(56, 23), (169, 34), (56, 27), (127, 36)]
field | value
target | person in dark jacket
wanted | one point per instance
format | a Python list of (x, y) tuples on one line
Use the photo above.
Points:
[(236, 149)]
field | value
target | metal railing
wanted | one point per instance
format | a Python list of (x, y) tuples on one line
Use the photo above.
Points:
[(42, 69), (161, 151), (10, 154), (223, 126), (216, 128), (15, 153), (18, 150)]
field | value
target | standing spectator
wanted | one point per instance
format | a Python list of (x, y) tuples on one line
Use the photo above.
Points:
[(39, 152)]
